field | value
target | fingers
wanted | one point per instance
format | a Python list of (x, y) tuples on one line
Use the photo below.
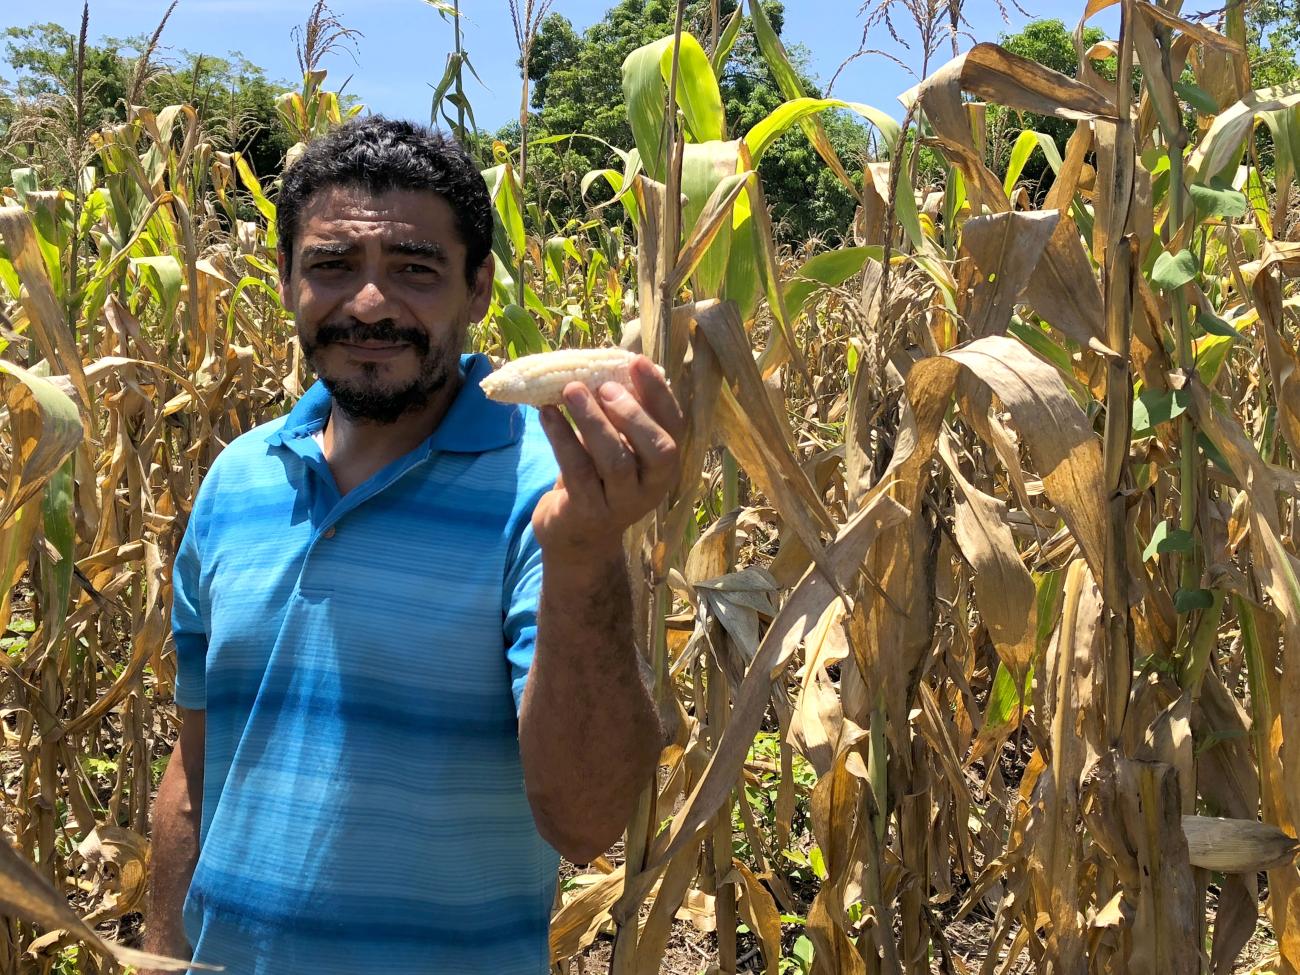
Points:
[(653, 392), (622, 451), (577, 472), (658, 427), (615, 463), (654, 449)]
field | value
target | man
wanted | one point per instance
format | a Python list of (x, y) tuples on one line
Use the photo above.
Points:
[(405, 661)]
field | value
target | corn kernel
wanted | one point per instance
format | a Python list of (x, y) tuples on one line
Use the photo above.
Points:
[(539, 380)]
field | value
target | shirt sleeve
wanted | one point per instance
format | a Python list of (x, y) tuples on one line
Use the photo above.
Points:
[(189, 628), (522, 583), (523, 591)]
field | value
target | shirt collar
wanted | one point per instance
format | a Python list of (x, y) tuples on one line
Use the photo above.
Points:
[(472, 425)]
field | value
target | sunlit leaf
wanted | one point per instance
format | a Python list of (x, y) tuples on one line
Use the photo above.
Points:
[(1172, 271)]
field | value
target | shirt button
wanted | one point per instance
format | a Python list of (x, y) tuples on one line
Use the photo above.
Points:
[(328, 532)]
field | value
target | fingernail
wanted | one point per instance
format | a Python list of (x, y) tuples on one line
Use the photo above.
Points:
[(610, 392), (575, 397)]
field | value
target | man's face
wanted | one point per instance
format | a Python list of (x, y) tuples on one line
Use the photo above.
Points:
[(378, 287)]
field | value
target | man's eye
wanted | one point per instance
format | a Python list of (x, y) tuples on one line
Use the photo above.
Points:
[(333, 265), (418, 269)]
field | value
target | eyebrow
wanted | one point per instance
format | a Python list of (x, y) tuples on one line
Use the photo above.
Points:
[(311, 251), (428, 249), (420, 248)]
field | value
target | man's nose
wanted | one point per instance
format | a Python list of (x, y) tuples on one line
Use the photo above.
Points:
[(370, 303)]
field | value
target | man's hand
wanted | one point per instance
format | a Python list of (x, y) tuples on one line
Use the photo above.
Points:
[(616, 467), (589, 733)]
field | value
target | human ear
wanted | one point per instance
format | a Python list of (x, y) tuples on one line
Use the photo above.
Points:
[(282, 285), (481, 291)]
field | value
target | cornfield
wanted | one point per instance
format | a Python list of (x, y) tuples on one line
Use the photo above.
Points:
[(977, 606)]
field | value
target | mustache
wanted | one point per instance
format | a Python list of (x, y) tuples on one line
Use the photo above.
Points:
[(385, 330)]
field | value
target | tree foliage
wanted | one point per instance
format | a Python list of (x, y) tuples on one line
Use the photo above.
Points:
[(1273, 37), (44, 58), (234, 98), (577, 88), (1050, 44), (1272, 41)]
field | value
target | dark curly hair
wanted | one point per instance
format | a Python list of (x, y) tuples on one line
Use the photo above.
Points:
[(381, 155)]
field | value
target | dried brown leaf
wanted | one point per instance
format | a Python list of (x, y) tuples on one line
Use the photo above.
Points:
[(1005, 248)]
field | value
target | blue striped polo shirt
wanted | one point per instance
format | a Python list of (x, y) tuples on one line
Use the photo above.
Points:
[(361, 659)]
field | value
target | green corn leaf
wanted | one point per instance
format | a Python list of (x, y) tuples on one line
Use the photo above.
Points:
[(245, 283), (698, 94), (705, 167), (797, 110), (1005, 701), (1212, 452), (503, 186), (1197, 97), (520, 333), (1214, 325), (9, 278), (645, 82), (553, 254), (1187, 600), (1023, 149), (905, 209), (246, 176), (787, 79), (1038, 340), (163, 276), (1211, 353), (827, 270), (743, 283), (1258, 198), (1284, 124), (727, 41), (643, 97), (59, 527)]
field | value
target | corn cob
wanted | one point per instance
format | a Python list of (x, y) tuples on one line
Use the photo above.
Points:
[(539, 379)]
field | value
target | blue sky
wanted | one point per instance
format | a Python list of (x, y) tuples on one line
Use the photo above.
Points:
[(405, 42)]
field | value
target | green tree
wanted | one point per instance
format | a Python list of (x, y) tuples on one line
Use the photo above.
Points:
[(557, 45), (578, 89), (38, 119), (44, 57), (233, 97), (1273, 39), (236, 102), (1050, 44)]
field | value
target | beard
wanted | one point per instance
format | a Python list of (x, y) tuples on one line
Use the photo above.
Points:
[(370, 397)]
